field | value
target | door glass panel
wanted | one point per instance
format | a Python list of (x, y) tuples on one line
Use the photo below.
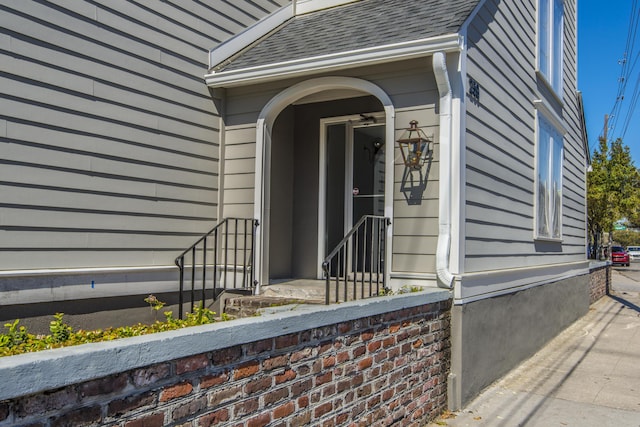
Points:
[(368, 171)]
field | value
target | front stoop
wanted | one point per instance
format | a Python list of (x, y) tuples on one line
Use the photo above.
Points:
[(248, 306)]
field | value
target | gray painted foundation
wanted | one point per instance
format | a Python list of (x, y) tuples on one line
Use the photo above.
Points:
[(490, 337)]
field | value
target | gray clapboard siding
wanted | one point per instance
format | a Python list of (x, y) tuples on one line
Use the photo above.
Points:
[(413, 262), (501, 144), (109, 137)]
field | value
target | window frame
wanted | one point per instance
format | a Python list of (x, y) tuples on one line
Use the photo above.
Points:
[(550, 127), (550, 43)]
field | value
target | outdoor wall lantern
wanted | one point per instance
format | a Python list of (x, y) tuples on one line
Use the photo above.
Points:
[(415, 146)]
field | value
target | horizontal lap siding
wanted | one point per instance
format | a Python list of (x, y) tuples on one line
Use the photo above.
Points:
[(414, 94), (109, 137), (500, 143)]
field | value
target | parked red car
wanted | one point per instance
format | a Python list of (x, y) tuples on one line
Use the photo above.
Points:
[(619, 256)]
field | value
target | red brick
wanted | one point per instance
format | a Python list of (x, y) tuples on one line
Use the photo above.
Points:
[(246, 407), (246, 370), (365, 390), (343, 385), (359, 351), (150, 375), (327, 362), (214, 380), (303, 419), (258, 385), (301, 354), (259, 347), (214, 418), (155, 420), (259, 421), (303, 401), (324, 378), (227, 356), (224, 395), (120, 407), (190, 408), (79, 417), (193, 363), (345, 327), (275, 362), (175, 391), (342, 418), (374, 345), (274, 396), (325, 347), (373, 401), (104, 386), (417, 343), (381, 357), (356, 380), (365, 363), (342, 357), (44, 402), (366, 336), (325, 408), (301, 387), (284, 410), (287, 341), (329, 390), (388, 342), (287, 375), (405, 348)]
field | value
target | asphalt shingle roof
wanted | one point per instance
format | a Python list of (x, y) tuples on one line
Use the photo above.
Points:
[(359, 25)]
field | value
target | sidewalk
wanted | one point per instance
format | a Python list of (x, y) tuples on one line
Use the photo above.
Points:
[(588, 376)]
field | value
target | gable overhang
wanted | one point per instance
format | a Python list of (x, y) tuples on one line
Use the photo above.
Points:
[(337, 61)]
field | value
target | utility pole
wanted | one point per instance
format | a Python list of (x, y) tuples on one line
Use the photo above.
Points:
[(606, 127)]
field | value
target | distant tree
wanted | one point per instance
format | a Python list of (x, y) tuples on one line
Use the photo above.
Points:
[(613, 189), (626, 237)]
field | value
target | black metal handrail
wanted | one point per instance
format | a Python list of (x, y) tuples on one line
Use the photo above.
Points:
[(225, 250), (358, 261)]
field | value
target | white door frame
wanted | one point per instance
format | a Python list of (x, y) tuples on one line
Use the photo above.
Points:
[(264, 125), (351, 122)]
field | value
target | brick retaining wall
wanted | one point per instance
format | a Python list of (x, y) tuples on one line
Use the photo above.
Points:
[(599, 281), (374, 370)]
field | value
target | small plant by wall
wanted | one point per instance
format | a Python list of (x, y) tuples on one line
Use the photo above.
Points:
[(17, 339)]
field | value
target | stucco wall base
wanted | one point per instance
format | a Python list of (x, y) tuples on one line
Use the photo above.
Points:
[(490, 337)]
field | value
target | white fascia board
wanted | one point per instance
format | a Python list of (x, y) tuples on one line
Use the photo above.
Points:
[(227, 49), (341, 60)]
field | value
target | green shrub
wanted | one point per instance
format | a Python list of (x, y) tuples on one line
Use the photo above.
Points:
[(17, 340)]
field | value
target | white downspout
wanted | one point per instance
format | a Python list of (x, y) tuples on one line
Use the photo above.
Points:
[(444, 275)]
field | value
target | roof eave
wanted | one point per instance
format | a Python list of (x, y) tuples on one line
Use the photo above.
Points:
[(355, 58), (255, 32)]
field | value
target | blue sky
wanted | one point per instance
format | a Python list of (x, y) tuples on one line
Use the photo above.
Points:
[(602, 38)]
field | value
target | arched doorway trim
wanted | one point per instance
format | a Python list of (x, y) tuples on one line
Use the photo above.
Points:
[(264, 126)]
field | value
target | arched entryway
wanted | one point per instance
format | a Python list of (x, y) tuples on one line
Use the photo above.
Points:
[(292, 167)]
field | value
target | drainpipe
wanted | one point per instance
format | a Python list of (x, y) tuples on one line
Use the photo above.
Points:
[(444, 275)]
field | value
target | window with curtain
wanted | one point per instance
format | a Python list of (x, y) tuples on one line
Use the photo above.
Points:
[(550, 30), (549, 181)]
